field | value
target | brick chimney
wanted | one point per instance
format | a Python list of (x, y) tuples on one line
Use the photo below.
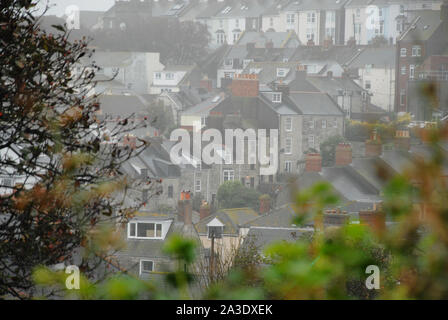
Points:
[(204, 210), (327, 43), (245, 85), (269, 44), (310, 43), (335, 217), (374, 147), (343, 154), (130, 140), (206, 84), (265, 204), (402, 139), (185, 208), (375, 218), (313, 162)]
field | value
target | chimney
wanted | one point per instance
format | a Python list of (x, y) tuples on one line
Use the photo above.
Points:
[(265, 204), (245, 85), (330, 74), (351, 42), (206, 84), (185, 208), (130, 140), (328, 42), (375, 219), (335, 218), (310, 42), (204, 210), (402, 139), (269, 44), (301, 73), (313, 162), (343, 154), (250, 46), (374, 147)]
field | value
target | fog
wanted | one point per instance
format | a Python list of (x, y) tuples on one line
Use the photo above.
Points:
[(58, 7)]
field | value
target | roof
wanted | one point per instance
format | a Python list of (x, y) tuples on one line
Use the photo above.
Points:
[(268, 70), (242, 9), (122, 105), (279, 218), (204, 107), (260, 237), (231, 218), (351, 184), (340, 54), (322, 4), (377, 57), (315, 103), (423, 26), (279, 39)]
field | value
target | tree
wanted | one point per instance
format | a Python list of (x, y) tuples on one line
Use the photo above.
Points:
[(232, 194), (161, 117), (57, 160), (328, 150)]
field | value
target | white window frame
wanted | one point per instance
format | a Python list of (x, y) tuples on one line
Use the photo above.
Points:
[(412, 71), (416, 51), (197, 185), (324, 124), (230, 175), (403, 52), (276, 97), (311, 124), (288, 166), (403, 70), (158, 76), (290, 18), (313, 143), (144, 222), (311, 17), (169, 76), (141, 271), (288, 145), (288, 124)]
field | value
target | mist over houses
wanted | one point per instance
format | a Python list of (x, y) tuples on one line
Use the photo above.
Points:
[(310, 69)]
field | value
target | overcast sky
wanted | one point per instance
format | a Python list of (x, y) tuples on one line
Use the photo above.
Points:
[(61, 5)]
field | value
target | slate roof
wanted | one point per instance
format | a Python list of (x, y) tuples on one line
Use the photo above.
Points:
[(423, 26), (340, 54), (204, 107), (121, 105), (315, 103), (279, 218), (231, 218), (279, 39), (268, 70), (243, 9), (322, 4), (261, 237), (380, 57)]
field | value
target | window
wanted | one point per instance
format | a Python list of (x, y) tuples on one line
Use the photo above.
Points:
[(220, 37), (402, 96), (221, 23), (169, 76), (158, 75), (416, 51), (271, 22), (146, 266), (288, 124), (311, 141), (403, 52), (203, 121), (358, 13), (368, 85), (229, 175), (8, 182), (310, 33), (401, 9), (170, 192), (236, 36), (237, 23), (324, 124), (288, 145), (311, 124), (197, 185), (403, 70), (290, 19), (281, 72), (252, 182), (288, 166), (310, 17), (277, 97), (144, 230), (411, 71)]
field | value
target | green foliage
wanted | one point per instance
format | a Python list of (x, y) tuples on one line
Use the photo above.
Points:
[(328, 150), (232, 194)]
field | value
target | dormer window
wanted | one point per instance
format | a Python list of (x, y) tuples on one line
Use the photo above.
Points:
[(277, 97), (215, 229), (144, 230), (281, 72), (158, 76), (169, 76)]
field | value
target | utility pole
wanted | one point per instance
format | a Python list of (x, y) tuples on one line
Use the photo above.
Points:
[(212, 258)]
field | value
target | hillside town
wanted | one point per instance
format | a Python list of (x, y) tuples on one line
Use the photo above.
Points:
[(336, 86)]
